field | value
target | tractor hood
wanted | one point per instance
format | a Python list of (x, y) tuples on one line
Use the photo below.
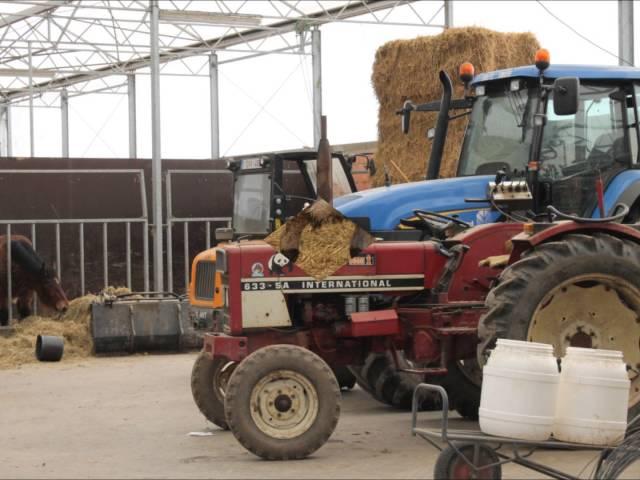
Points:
[(385, 206)]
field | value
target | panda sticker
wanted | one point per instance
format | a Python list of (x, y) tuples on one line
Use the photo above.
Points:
[(277, 263)]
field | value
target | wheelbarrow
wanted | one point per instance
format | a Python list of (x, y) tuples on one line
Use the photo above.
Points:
[(469, 454)]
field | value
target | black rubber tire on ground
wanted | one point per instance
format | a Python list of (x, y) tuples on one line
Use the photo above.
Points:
[(451, 466), (346, 379), (276, 363), (523, 285), (463, 393), (386, 384), (209, 400), (380, 378)]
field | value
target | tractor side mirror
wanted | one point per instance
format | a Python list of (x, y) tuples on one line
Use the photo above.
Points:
[(565, 95), (371, 166)]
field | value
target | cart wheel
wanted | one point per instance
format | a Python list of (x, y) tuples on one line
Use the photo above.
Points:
[(451, 465), (282, 402)]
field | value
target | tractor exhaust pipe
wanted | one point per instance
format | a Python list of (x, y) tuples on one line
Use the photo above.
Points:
[(325, 175), (442, 125)]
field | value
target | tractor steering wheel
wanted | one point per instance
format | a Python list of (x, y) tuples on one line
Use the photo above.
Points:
[(442, 221)]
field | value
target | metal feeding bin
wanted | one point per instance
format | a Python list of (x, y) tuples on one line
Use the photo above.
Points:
[(144, 321)]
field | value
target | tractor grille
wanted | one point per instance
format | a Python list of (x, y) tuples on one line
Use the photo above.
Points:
[(205, 280)]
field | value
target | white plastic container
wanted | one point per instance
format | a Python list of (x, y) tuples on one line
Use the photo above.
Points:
[(519, 390), (593, 397)]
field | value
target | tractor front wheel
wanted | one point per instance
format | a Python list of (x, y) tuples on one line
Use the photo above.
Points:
[(282, 402), (581, 291), (209, 379)]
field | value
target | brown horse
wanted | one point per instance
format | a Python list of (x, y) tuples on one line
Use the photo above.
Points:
[(29, 275)]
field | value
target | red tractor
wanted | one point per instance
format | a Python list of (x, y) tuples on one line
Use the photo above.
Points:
[(435, 308)]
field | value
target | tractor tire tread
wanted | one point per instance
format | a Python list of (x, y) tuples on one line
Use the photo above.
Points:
[(202, 391), (296, 356), (505, 316)]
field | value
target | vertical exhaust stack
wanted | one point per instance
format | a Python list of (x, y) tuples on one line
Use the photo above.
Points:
[(325, 175)]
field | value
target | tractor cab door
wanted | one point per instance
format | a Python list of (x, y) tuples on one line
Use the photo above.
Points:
[(600, 140)]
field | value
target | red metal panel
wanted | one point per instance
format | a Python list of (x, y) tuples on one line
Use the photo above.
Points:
[(472, 282), (525, 241), (234, 288), (372, 324), (220, 345)]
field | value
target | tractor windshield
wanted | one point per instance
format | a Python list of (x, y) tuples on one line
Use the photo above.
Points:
[(341, 185), (251, 200), (499, 132)]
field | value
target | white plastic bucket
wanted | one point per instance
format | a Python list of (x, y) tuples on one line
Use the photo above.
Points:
[(593, 397), (519, 390)]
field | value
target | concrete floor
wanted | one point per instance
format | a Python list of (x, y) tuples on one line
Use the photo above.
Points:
[(131, 417)]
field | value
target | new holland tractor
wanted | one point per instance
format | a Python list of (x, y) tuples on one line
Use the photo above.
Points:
[(528, 243)]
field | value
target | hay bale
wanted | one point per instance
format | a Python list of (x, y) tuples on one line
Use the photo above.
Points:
[(18, 348), (322, 237), (408, 69)]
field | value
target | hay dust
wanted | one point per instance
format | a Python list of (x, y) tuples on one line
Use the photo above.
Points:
[(408, 69), (18, 348)]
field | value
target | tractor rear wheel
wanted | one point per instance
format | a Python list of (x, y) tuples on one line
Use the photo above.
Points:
[(380, 378), (209, 380), (582, 290), (282, 402)]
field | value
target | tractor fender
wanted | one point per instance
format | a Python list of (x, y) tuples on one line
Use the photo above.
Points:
[(526, 241), (624, 188)]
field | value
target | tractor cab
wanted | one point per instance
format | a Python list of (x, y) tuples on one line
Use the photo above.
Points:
[(569, 131), (576, 151), (269, 188)]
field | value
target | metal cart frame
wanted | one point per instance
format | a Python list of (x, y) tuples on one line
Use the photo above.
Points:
[(481, 441)]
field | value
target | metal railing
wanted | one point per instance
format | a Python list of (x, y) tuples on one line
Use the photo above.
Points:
[(143, 221), (186, 221)]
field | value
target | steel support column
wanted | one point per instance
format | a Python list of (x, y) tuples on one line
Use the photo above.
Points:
[(64, 121), (5, 131), (316, 66), (448, 13), (9, 130), (215, 111), (133, 136), (156, 154), (31, 120), (625, 32)]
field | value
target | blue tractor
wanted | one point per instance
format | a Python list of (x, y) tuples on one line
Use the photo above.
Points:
[(597, 145), (586, 165)]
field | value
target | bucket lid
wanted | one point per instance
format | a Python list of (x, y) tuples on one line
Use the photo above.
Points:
[(522, 344), (594, 353)]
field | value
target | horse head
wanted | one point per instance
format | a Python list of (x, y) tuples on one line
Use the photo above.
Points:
[(50, 291)]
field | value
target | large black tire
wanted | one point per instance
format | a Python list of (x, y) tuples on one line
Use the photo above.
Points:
[(451, 466), (346, 379), (208, 380), (261, 396), (463, 390), (380, 378), (573, 265)]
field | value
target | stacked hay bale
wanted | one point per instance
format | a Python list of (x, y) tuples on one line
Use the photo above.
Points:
[(408, 69)]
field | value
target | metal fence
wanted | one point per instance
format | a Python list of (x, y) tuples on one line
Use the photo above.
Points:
[(80, 223), (172, 220)]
